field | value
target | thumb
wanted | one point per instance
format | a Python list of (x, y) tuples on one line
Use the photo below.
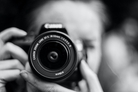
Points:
[(90, 77), (24, 74), (29, 77), (33, 82)]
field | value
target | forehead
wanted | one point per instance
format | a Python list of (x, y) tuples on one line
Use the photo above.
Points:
[(79, 19)]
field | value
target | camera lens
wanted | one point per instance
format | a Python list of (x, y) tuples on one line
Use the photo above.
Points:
[(53, 55)]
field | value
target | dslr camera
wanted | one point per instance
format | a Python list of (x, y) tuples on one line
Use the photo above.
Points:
[(52, 54)]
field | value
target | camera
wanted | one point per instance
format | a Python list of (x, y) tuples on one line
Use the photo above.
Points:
[(52, 54)]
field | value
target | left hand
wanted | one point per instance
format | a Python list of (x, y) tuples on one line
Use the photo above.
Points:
[(91, 82), (10, 68)]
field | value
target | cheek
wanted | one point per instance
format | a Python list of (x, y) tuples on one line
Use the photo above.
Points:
[(94, 59)]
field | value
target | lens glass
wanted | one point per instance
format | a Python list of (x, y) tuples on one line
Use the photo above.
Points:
[(53, 55)]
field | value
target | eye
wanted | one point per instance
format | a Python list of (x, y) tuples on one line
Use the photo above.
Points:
[(88, 44)]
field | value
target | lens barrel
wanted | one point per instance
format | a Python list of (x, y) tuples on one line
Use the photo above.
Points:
[(53, 56)]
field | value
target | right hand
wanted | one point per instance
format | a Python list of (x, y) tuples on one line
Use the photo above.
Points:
[(10, 68), (90, 83)]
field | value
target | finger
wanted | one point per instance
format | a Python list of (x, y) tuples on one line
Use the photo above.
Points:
[(83, 86), (90, 77), (41, 85), (20, 84), (11, 32), (6, 76), (27, 67), (11, 64), (2, 88), (9, 75), (15, 52)]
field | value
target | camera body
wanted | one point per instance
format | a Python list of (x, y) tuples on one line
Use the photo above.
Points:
[(53, 56)]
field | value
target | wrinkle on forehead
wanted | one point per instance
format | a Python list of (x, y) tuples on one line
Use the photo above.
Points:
[(77, 17)]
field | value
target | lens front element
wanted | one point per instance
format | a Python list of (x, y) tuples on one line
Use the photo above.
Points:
[(53, 55)]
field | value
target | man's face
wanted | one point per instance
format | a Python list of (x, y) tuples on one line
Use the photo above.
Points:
[(81, 22)]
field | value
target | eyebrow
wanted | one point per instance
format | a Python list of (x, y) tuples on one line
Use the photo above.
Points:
[(88, 42), (88, 39)]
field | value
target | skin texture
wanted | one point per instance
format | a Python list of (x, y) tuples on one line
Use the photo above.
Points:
[(82, 23)]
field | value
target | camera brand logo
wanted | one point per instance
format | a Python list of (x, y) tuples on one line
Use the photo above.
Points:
[(53, 26), (60, 73)]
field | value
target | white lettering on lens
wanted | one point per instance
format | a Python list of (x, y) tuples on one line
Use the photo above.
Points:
[(60, 73), (66, 41), (53, 26), (34, 55), (41, 40), (36, 46), (46, 37), (56, 36)]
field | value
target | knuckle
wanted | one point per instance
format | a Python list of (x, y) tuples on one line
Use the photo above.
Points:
[(17, 64), (2, 82), (2, 78), (9, 46)]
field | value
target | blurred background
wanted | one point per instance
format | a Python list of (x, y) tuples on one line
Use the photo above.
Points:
[(118, 70)]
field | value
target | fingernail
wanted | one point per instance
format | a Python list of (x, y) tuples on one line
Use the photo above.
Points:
[(24, 33), (24, 74), (83, 62), (84, 65)]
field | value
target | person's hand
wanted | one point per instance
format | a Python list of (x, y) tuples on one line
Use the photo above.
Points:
[(34, 84), (90, 82), (10, 68), (37, 85)]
